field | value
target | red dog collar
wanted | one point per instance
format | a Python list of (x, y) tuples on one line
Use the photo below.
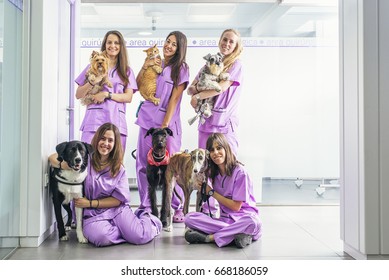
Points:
[(151, 160)]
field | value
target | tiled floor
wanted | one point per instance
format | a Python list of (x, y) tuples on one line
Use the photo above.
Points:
[(289, 232)]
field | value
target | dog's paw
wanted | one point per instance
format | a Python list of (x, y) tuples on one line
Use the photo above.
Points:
[(82, 239), (64, 238), (108, 83), (168, 229)]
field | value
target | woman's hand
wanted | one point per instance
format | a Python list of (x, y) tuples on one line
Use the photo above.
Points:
[(54, 162), (151, 62), (194, 101), (198, 185), (81, 202), (99, 98)]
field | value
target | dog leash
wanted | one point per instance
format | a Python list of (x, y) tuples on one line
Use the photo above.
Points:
[(205, 198)]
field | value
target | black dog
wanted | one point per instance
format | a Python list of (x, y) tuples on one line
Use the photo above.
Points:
[(68, 184), (157, 160)]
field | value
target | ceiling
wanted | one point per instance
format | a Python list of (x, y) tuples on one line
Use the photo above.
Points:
[(261, 18)]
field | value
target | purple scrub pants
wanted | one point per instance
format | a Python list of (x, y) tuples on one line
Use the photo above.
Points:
[(224, 229), (135, 228)]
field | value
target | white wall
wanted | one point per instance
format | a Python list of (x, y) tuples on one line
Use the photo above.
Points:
[(289, 109), (364, 147)]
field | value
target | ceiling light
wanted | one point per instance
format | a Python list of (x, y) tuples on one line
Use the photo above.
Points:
[(144, 33), (309, 2)]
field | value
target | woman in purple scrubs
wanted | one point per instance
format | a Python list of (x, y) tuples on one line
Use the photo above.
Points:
[(109, 104), (224, 118), (232, 187), (107, 216), (170, 85)]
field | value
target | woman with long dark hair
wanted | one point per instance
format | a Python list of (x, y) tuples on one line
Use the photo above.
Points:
[(170, 85), (232, 188)]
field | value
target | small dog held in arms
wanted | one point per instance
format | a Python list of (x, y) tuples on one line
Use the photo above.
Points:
[(158, 158), (148, 83), (185, 169), (209, 78), (96, 75), (68, 184)]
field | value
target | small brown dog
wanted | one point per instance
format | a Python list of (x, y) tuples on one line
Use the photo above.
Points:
[(148, 83), (97, 75), (185, 169)]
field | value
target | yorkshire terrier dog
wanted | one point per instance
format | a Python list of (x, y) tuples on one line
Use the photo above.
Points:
[(148, 83), (210, 76), (97, 75)]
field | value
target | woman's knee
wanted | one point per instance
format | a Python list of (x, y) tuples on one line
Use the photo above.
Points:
[(98, 239)]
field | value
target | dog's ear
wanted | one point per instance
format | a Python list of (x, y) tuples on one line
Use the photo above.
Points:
[(104, 53), (169, 131), (207, 57), (88, 147), (150, 131), (219, 54), (93, 54), (60, 148)]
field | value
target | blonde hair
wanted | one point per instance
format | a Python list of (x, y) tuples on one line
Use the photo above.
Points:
[(230, 59)]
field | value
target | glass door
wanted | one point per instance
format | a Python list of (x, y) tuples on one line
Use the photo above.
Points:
[(11, 13)]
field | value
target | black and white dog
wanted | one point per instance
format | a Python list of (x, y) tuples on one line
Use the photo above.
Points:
[(157, 160), (68, 184)]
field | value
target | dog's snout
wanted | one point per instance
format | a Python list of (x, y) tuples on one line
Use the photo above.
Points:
[(77, 160), (195, 170), (160, 144)]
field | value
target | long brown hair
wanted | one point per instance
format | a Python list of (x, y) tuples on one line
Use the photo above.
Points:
[(115, 158), (231, 162), (228, 60), (122, 64), (179, 58)]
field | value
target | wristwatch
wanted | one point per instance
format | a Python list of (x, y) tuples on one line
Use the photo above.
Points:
[(109, 95), (211, 192)]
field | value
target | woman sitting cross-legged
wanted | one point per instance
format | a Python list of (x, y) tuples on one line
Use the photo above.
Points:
[(239, 220), (108, 218)]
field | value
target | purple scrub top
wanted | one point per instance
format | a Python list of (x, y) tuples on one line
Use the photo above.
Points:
[(99, 185), (109, 110), (150, 115), (238, 187), (225, 109)]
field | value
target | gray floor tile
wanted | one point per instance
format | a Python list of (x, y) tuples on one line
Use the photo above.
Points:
[(289, 232)]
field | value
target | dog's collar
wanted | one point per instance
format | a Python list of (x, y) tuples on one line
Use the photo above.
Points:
[(151, 160), (63, 181)]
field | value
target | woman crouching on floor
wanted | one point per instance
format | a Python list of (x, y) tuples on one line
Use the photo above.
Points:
[(232, 187), (108, 218)]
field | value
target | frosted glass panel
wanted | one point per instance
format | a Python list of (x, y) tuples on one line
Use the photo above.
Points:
[(10, 110)]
